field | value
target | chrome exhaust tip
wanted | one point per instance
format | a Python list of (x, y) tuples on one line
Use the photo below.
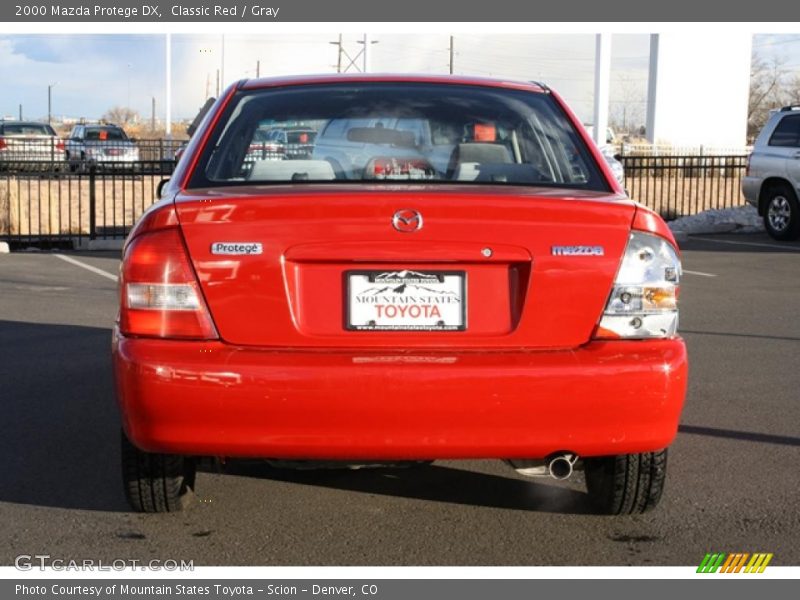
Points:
[(557, 466), (560, 467)]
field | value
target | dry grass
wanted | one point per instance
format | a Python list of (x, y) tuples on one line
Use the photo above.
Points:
[(676, 196), (34, 206)]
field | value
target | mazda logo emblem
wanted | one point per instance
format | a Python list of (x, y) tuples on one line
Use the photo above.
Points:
[(407, 220)]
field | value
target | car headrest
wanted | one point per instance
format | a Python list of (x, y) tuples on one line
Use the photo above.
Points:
[(482, 153), (291, 170)]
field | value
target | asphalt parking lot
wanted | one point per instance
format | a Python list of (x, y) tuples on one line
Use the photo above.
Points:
[(732, 485)]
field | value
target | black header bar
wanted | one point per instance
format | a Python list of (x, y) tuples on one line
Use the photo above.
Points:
[(455, 11)]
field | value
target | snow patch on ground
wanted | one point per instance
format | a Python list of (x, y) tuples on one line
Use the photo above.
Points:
[(742, 219)]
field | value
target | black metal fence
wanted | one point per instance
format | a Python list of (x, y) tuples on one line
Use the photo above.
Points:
[(22, 149), (161, 150), (46, 204), (51, 203), (676, 186)]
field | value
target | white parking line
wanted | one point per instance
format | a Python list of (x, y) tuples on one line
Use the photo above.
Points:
[(757, 244), (78, 263), (699, 273)]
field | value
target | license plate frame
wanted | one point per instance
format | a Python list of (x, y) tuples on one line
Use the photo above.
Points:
[(410, 277)]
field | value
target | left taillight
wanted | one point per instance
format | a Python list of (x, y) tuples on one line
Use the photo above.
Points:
[(644, 300), (159, 292)]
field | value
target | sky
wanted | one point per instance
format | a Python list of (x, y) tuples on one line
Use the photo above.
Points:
[(90, 74)]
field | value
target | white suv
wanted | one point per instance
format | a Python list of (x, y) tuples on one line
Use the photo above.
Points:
[(772, 180)]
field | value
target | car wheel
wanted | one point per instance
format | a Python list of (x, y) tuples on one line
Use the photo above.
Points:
[(338, 171), (782, 213), (71, 165), (156, 483), (626, 484)]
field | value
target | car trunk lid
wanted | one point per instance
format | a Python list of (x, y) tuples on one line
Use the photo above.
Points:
[(296, 265)]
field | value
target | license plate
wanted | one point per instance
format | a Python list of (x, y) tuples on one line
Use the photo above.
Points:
[(406, 300)]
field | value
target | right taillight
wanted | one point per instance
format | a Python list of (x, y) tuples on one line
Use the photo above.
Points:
[(159, 292), (644, 299), (3, 143)]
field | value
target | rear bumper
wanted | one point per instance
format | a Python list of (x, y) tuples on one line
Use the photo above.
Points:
[(113, 162), (209, 398), (751, 187)]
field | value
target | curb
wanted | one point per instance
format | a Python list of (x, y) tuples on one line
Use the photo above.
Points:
[(99, 245)]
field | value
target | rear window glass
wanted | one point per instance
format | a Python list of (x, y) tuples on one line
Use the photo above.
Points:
[(103, 134), (27, 129), (787, 133), (388, 132)]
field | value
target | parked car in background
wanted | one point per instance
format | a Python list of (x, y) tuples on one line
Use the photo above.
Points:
[(470, 281), (617, 168), (23, 141), (772, 179), (263, 146), (180, 150), (296, 142), (102, 145), (281, 143)]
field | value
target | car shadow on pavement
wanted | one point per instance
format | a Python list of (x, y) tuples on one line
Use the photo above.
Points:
[(750, 243), (60, 435), (746, 436), (432, 483), (755, 336)]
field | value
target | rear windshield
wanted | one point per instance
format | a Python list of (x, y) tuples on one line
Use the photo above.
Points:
[(102, 134), (388, 132), (27, 129)]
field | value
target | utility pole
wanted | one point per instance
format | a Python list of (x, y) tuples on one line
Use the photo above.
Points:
[(20, 112), (339, 51), (222, 65), (50, 102), (128, 105), (452, 54), (258, 69), (366, 55), (168, 58), (360, 62), (153, 115)]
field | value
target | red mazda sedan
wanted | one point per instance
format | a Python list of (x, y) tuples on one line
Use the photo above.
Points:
[(452, 272)]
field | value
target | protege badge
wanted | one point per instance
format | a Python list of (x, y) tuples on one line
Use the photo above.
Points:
[(577, 251), (236, 248)]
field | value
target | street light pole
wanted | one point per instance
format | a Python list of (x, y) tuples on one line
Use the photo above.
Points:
[(222, 65), (50, 102), (168, 99)]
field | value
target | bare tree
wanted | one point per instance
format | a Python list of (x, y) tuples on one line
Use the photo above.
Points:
[(628, 102), (770, 88), (120, 115), (792, 91)]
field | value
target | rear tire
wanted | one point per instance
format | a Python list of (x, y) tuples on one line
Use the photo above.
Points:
[(782, 213), (156, 483), (626, 484)]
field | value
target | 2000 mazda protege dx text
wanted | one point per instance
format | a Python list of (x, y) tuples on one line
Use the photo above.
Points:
[(452, 271)]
